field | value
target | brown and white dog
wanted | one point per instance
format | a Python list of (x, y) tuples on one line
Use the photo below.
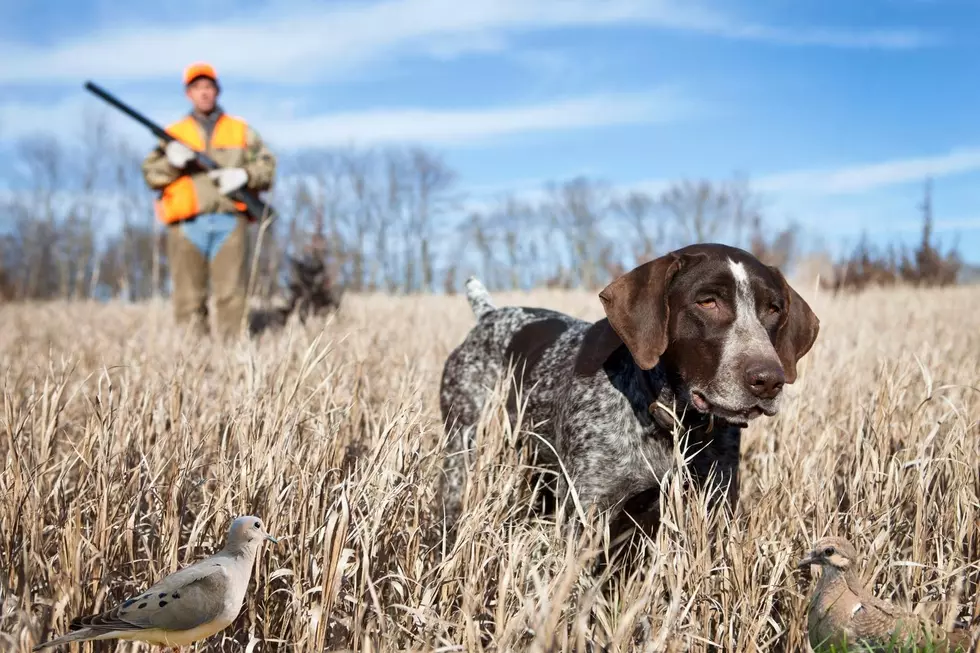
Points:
[(707, 333)]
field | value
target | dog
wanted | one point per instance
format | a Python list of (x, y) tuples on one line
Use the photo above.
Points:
[(704, 337), (310, 292)]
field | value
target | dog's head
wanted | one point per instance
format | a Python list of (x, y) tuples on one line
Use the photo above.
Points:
[(310, 288), (728, 329)]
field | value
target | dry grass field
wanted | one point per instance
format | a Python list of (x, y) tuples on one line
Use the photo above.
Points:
[(126, 450)]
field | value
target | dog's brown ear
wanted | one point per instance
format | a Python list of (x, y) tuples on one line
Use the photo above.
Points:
[(636, 308), (797, 330)]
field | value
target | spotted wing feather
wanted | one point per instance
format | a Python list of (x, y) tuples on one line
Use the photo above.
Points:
[(182, 601), (884, 624)]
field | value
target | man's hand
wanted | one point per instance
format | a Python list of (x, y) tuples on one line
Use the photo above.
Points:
[(178, 154), (229, 179)]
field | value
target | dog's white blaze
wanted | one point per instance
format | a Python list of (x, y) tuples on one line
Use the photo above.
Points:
[(747, 331), (741, 276), (746, 336), (744, 299)]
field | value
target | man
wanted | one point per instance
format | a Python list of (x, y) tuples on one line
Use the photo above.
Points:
[(206, 229)]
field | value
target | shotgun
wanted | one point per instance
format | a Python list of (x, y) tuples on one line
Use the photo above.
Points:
[(254, 206)]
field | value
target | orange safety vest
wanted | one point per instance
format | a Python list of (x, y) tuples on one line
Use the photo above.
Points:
[(179, 201)]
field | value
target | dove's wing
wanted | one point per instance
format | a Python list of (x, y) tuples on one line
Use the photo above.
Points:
[(899, 628), (184, 600)]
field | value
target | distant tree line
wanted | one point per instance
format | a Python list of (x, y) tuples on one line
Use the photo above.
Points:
[(78, 223), (924, 265)]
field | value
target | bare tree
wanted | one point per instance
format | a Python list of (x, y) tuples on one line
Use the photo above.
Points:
[(81, 247), (476, 232), (142, 262), (577, 209), (773, 247), (639, 211), (42, 159), (431, 179), (390, 217), (701, 210), (359, 169)]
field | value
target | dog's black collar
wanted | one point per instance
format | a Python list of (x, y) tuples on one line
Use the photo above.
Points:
[(667, 410)]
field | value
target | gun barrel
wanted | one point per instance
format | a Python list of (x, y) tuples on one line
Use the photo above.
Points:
[(157, 130), (132, 113), (254, 206)]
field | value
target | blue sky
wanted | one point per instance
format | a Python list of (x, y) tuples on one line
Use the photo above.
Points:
[(835, 109)]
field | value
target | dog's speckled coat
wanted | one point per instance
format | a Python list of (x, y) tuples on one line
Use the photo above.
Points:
[(707, 331)]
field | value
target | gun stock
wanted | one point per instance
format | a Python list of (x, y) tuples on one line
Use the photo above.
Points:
[(254, 206)]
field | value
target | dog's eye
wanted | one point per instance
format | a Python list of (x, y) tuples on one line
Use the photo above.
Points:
[(774, 309), (707, 302)]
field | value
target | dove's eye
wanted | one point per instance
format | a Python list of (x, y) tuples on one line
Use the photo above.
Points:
[(829, 551), (258, 524)]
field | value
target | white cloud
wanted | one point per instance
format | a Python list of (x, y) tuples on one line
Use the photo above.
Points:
[(852, 179), (847, 180), (303, 42), (835, 38), (66, 119), (454, 127), (865, 177), (399, 125)]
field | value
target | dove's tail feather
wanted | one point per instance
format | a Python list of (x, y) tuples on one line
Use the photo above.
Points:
[(74, 636), (479, 298)]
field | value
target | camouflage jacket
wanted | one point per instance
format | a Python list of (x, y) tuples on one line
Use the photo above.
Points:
[(256, 159)]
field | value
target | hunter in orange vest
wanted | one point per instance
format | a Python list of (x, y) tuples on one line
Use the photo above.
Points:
[(206, 229)]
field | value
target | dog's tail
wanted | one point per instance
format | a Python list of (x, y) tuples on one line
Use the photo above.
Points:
[(479, 298)]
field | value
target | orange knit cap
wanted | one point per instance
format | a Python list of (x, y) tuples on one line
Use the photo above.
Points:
[(200, 69)]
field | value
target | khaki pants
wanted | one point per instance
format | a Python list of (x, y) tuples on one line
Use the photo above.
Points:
[(211, 248)]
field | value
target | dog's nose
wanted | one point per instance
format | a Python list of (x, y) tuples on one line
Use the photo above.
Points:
[(764, 378)]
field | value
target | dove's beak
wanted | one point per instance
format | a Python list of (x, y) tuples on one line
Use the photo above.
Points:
[(806, 562), (271, 539)]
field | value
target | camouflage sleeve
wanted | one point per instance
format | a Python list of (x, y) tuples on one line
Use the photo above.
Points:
[(157, 171), (260, 163)]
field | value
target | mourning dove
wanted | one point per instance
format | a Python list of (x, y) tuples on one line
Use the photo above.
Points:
[(844, 612), (190, 604)]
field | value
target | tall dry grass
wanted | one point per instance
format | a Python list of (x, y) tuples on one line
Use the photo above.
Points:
[(126, 449)]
